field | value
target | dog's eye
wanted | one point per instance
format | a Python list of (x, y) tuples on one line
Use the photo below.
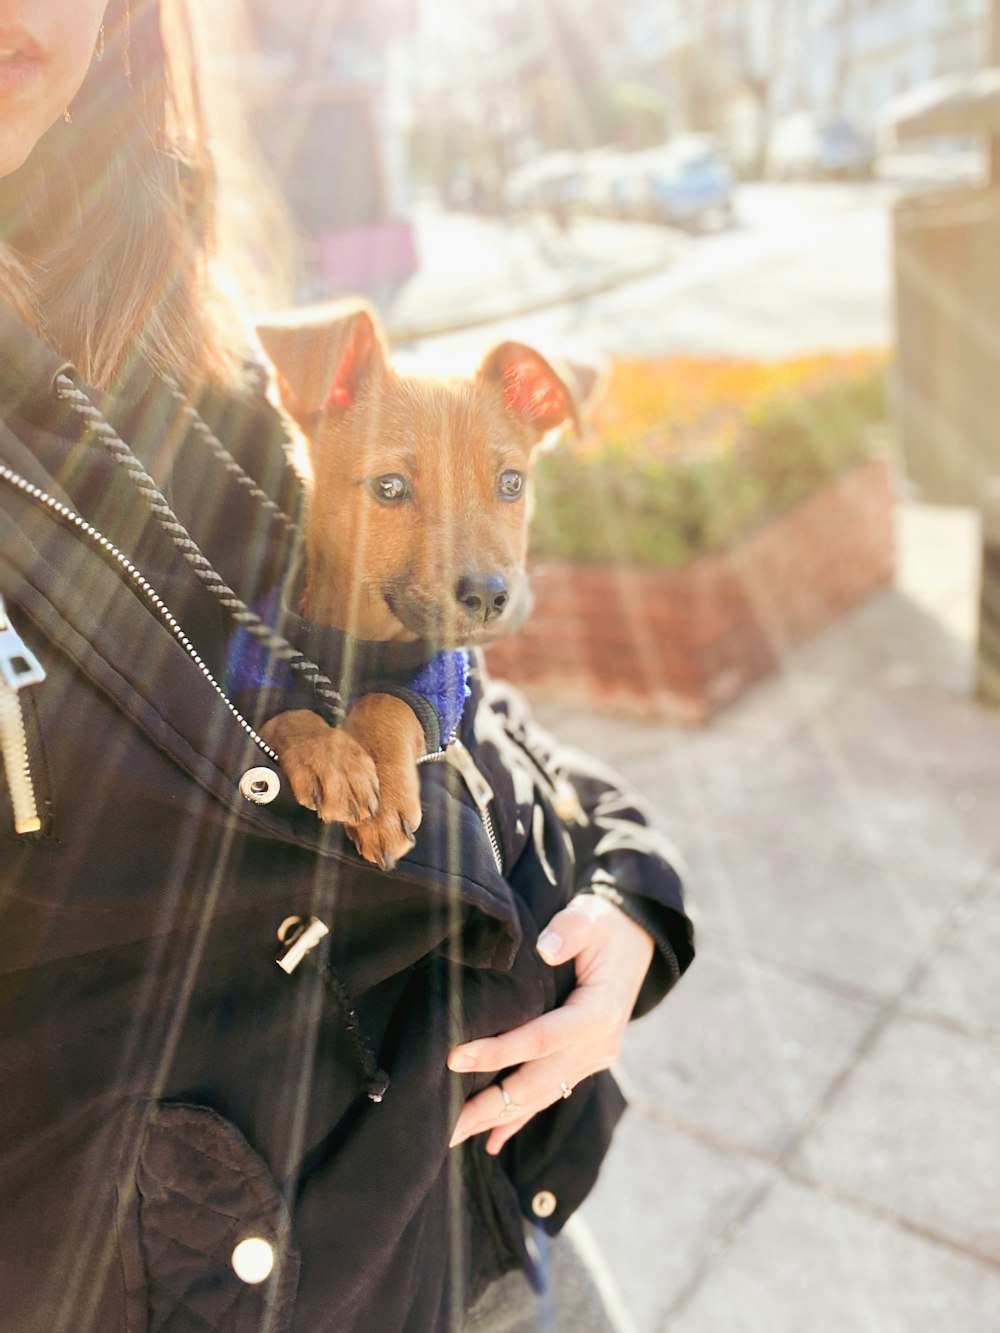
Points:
[(510, 484), (390, 488)]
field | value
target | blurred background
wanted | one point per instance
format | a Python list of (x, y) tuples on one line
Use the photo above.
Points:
[(767, 580)]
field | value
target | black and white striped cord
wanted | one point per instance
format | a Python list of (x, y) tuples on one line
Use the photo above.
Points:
[(222, 454), (331, 701)]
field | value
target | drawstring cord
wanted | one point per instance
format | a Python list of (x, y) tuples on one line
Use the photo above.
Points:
[(376, 1079), (222, 454), (331, 701)]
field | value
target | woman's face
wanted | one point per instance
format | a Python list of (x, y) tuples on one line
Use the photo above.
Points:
[(46, 47)]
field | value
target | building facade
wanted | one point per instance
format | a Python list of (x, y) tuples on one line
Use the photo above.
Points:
[(769, 58)]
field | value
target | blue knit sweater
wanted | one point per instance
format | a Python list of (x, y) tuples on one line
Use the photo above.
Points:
[(434, 684)]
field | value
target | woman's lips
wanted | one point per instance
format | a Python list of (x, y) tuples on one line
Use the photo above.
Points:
[(17, 69), (20, 59)]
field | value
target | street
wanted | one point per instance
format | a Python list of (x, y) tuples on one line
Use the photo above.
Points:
[(805, 267)]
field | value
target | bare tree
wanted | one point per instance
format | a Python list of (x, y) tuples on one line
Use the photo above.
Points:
[(845, 14), (740, 45)]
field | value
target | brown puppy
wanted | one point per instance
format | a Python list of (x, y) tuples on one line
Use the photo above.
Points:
[(416, 529)]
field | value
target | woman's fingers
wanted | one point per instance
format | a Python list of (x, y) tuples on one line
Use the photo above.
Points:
[(566, 1045), (532, 1041), (571, 929), (563, 1046), (529, 1090)]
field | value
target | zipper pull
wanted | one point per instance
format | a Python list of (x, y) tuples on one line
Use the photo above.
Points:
[(18, 664), (18, 667), (459, 757)]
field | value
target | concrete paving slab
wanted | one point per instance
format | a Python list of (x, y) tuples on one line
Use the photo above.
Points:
[(963, 984), (915, 725), (740, 1053), (688, 772), (809, 1262), (854, 920), (661, 1206), (890, 638), (616, 740), (826, 787), (916, 1131)]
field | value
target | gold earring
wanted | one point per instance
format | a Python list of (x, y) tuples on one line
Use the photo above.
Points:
[(67, 116), (99, 51)]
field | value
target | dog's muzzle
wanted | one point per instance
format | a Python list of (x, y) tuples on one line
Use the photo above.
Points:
[(483, 597)]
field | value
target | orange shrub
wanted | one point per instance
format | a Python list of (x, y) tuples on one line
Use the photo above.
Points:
[(687, 454)]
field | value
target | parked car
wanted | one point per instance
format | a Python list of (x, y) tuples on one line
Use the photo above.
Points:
[(805, 146), (683, 184), (689, 183)]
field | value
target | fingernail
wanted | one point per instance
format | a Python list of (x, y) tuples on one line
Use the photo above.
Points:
[(456, 1139), (460, 1062), (549, 945)]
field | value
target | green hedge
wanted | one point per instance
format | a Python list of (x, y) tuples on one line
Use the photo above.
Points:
[(635, 504)]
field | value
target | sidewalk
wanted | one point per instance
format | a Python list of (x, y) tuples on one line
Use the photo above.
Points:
[(813, 1144), (475, 270)]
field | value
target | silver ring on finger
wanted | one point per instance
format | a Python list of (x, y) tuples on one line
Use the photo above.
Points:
[(565, 1090), (510, 1109)]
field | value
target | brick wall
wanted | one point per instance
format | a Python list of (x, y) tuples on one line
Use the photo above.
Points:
[(681, 643)]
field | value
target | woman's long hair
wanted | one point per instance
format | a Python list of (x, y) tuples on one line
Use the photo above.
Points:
[(109, 232)]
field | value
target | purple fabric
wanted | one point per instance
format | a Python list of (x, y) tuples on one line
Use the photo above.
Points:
[(442, 680)]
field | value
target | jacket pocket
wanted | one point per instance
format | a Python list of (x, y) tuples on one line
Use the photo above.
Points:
[(197, 1207)]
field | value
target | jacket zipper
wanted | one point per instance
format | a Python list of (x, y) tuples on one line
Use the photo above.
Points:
[(161, 608), (458, 756), (19, 667)]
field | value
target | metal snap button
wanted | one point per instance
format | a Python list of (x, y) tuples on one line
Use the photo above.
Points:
[(544, 1203), (253, 1260), (260, 785)]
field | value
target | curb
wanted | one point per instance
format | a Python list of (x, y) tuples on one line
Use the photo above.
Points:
[(414, 330)]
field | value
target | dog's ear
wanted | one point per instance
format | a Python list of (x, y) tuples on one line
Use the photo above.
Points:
[(321, 365), (531, 388)]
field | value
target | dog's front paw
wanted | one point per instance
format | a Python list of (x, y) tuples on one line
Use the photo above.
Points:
[(389, 731), (328, 770), (389, 833)]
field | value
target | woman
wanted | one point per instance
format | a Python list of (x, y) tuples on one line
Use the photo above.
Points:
[(190, 1136)]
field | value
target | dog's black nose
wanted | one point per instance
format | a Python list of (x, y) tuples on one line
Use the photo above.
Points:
[(484, 596)]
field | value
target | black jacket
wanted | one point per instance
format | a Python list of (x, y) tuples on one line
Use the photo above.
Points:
[(167, 1090)]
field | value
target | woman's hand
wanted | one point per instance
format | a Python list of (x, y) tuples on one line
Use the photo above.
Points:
[(562, 1047)]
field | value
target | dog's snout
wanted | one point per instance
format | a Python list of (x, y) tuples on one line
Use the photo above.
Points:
[(484, 596)]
